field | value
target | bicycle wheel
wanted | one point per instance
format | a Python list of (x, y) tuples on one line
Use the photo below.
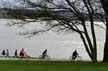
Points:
[(79, 58), (40, 57), (47, 57), (72, 58)]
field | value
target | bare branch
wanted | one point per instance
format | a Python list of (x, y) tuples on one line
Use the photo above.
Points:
[(37, 32)]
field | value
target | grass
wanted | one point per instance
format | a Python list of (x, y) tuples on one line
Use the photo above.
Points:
[(18, 65)]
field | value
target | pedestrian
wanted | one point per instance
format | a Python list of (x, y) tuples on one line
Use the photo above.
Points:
[(3, 53), (16, 54), (7, 53)]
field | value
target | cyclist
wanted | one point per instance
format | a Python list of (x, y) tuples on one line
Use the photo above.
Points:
[(74, 55), (22, 53), (44, 54)]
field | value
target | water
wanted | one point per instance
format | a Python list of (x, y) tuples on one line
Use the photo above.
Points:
[(59, 46)]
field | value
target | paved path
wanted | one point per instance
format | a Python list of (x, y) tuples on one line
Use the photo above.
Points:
[(30, 58)]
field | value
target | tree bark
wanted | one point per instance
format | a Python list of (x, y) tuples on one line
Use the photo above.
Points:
[(105, 7), (105, 58)]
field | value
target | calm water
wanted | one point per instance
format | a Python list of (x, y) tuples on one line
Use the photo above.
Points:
[(59, 46)]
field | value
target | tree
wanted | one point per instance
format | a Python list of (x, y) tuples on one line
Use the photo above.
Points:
[(105, 7), (68, 14)]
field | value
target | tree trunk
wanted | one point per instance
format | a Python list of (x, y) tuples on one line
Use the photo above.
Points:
[(94, 56), (105, 7), (105, 59)]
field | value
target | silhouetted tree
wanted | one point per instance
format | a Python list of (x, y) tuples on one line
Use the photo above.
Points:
[(65, 15), (105, 7)]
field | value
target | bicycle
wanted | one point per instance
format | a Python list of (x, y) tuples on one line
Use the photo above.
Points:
[(46, 57), (25, 56), (78, 58)]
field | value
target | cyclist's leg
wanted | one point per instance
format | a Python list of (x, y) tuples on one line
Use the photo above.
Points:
[(73, 57), (79, 58)]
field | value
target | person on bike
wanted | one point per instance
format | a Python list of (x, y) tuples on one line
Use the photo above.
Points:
[(22, 53), (44, 54), (74, 55)]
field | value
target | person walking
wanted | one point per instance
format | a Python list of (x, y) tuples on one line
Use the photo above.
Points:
[(16, 54), (7, 53), (3, 53)]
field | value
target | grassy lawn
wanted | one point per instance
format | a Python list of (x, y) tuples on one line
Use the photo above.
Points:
[(18, 65)]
